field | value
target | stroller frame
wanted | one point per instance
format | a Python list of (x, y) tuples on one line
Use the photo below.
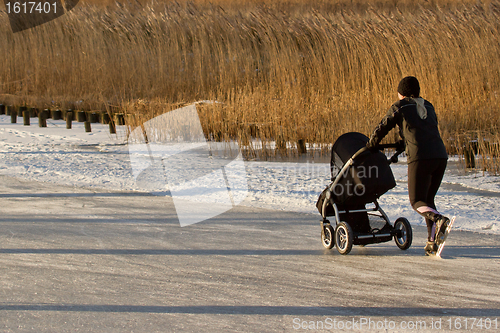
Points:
[(342, 236)]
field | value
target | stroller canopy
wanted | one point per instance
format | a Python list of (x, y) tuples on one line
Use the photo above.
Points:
[(369, 177)]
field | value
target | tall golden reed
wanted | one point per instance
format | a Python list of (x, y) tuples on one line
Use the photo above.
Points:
[(282, 71)]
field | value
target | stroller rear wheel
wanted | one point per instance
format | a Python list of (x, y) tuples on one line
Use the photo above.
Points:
[(404, 234), (343, 238), (327, 237)]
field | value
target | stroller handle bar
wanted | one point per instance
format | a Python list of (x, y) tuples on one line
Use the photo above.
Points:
[(399, 146), (388, 145)]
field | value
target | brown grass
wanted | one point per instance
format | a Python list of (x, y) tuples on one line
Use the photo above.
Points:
[(283, 71)]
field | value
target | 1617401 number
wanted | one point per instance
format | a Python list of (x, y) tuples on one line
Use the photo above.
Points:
[(31, 7)]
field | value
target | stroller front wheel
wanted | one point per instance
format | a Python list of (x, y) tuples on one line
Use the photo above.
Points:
[(343, 238), (327, 237), (404, 235)]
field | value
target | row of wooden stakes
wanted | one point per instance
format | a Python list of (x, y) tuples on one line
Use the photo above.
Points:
[(86, 117)]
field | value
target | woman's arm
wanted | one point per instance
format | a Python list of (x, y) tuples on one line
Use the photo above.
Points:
[(388, 122)]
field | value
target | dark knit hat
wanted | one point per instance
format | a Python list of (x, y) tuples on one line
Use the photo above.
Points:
[(409, 87)]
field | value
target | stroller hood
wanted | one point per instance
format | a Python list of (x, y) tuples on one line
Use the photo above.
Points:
[(369, 177)]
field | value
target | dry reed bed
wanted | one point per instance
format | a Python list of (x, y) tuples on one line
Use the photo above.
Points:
[(281, 74)]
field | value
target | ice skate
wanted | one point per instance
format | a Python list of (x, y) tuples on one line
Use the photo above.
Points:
[(430, 248), (442, 224), (444, 235)]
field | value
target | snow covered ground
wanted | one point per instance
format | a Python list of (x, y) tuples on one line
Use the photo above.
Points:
[(100, 160)]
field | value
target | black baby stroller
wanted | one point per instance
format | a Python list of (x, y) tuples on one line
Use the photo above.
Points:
[(359, 177)]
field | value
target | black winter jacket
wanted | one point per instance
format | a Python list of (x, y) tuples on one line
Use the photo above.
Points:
[(418, 127)]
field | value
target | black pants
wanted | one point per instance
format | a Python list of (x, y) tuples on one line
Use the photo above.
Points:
[(424, 179)]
